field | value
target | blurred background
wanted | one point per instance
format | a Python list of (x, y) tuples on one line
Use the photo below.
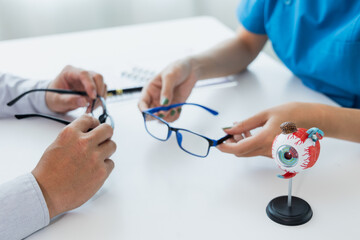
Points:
[(30, 18)]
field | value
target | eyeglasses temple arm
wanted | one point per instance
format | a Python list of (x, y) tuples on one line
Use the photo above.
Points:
[(166, 108), (22, 116), (63, 91), (221, 140)]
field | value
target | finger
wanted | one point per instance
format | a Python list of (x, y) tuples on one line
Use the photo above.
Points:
[(88, 110), (230, 140), (104, 94), (109, 166), (170, 118), (248, 124), (88, 83), (90, 105), (143, 105), (168, 84), (247, 134), (102, 133), (84, 123), (97, 103), (259, 152), (99, 83), (243, 146), (107, 149), (252, 153), (171, 115), (238, 137), (163, 114), (146, 101), (71, 102)]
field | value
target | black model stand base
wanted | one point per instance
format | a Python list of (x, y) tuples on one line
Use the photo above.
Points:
[(298, 213)]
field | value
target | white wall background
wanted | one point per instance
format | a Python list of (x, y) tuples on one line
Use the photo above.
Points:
[(29, 18), (26, 18)]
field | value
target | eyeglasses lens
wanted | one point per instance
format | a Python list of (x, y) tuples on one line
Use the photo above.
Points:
[(156, 128), (193, 143)]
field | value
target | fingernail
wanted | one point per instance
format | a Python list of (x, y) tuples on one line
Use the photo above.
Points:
[(161, 115), (172, 113), (225, 128), (164, 101), (179, 110), (81, 102)]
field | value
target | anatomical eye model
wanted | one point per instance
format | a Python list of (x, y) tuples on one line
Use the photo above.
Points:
[(294, 150)]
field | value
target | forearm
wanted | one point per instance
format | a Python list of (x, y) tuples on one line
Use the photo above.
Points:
[(339, 122), (229, 57), (336, 122)]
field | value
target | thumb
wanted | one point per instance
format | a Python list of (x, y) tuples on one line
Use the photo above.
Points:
[(251, 123)]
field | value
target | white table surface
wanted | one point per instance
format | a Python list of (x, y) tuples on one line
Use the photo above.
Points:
[(156, 190)]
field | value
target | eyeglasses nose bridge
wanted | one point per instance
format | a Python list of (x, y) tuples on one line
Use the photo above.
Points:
[(171, 129), (178, 137)]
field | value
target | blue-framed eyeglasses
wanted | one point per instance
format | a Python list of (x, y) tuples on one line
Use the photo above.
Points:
[(191, 142)]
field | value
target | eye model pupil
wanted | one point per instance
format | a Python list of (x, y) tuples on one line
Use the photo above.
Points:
[(288, 155)]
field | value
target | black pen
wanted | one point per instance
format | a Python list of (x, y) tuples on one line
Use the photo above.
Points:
[(117, 92)]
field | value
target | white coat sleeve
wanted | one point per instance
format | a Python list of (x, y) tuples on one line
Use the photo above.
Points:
[(23, 209), (12, 86)]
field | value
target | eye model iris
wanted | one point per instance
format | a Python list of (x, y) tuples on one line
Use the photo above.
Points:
[(287, 155)]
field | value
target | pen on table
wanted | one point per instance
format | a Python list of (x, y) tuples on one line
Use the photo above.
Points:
[(117, 92)]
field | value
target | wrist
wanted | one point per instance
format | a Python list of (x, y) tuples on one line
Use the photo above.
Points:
[(48, 199), (196, 69), (309, 114)]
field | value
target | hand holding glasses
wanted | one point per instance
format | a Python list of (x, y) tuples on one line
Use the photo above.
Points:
[(191, 142), (103, 118)]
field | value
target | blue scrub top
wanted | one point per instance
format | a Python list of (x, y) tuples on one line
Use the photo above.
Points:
[(319, 41)]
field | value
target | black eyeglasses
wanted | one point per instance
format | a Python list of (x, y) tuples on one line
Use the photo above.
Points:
[(103, 118)]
